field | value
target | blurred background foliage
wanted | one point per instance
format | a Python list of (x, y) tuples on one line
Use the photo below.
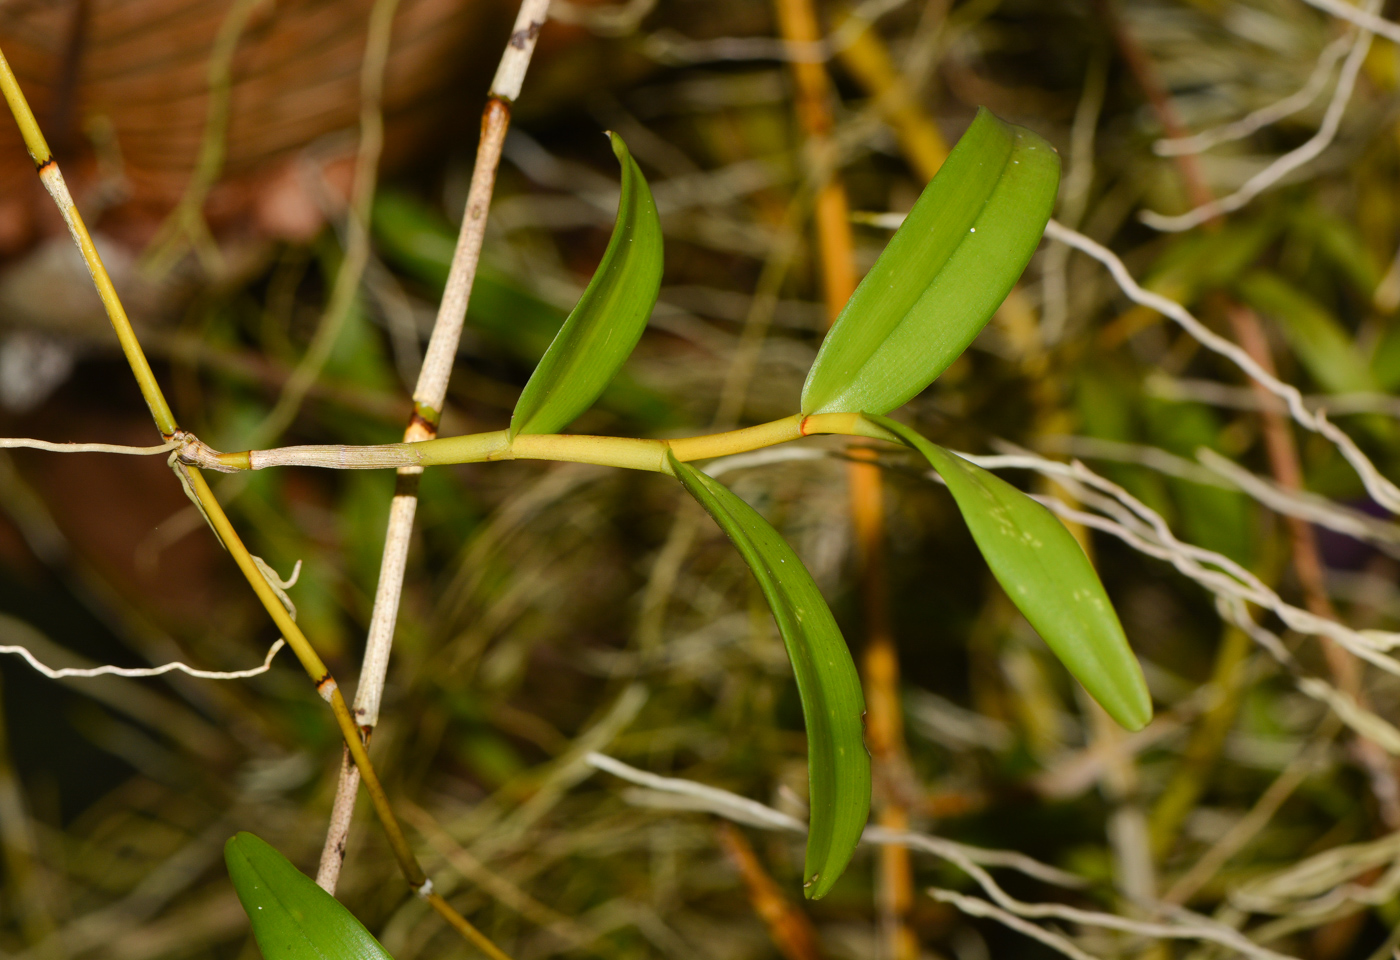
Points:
[(553, 609)]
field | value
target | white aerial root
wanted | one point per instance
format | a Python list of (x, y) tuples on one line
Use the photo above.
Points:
[(10, 443), (1264, 116), (103, 671), (731, 806), (278, 585), (1304, 505), (1308, 412), (1290, 161), (1365, 19), (1381, 490), (1323, 882), (1123, 516), (1244, 398), (977, 907), (1127, 518), (1181, 925), (1154, 458)]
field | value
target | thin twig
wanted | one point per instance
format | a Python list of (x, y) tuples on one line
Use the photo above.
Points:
[(52, 179), (428, 398), (1140, 65), (198, 490), (1307, 563), (788, 926)]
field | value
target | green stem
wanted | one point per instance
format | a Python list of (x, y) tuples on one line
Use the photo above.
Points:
[(315, 668), (625, 452), (53, 182), (213, 511)]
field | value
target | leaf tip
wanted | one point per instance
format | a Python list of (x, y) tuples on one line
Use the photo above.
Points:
[(619, 147), (1134, 711), (236, 847)]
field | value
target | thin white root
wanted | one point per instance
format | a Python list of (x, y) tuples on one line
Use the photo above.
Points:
[(977, 907), (1244, 398), (1182, 925), (1304, 505), (1264, 116), (10, 443), (103, 671), (1275, 172), (1365, 19), (731, 806), (1381, 490), (278, 585)]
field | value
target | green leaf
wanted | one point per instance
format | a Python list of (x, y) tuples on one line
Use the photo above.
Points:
[(420, 242), (1314, 334), (1046, 574), (293, 919), (608, 320), (942, 276), (838, 765)]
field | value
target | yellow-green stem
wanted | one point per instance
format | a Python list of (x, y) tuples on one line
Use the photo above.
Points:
[(326, 686), (626, 452), (165, 421), (462, 926), (53, 182), (315, 668)]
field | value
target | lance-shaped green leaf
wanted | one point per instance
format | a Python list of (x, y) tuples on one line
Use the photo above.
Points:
[(1046, 574), (838, 765), (293, 919), (608, 319), (943, 275)]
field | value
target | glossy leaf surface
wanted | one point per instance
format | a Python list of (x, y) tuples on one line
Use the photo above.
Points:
[(943, 275), (1046, 574), (293, 919), (420, 241), (838, 766), (608, 319)]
